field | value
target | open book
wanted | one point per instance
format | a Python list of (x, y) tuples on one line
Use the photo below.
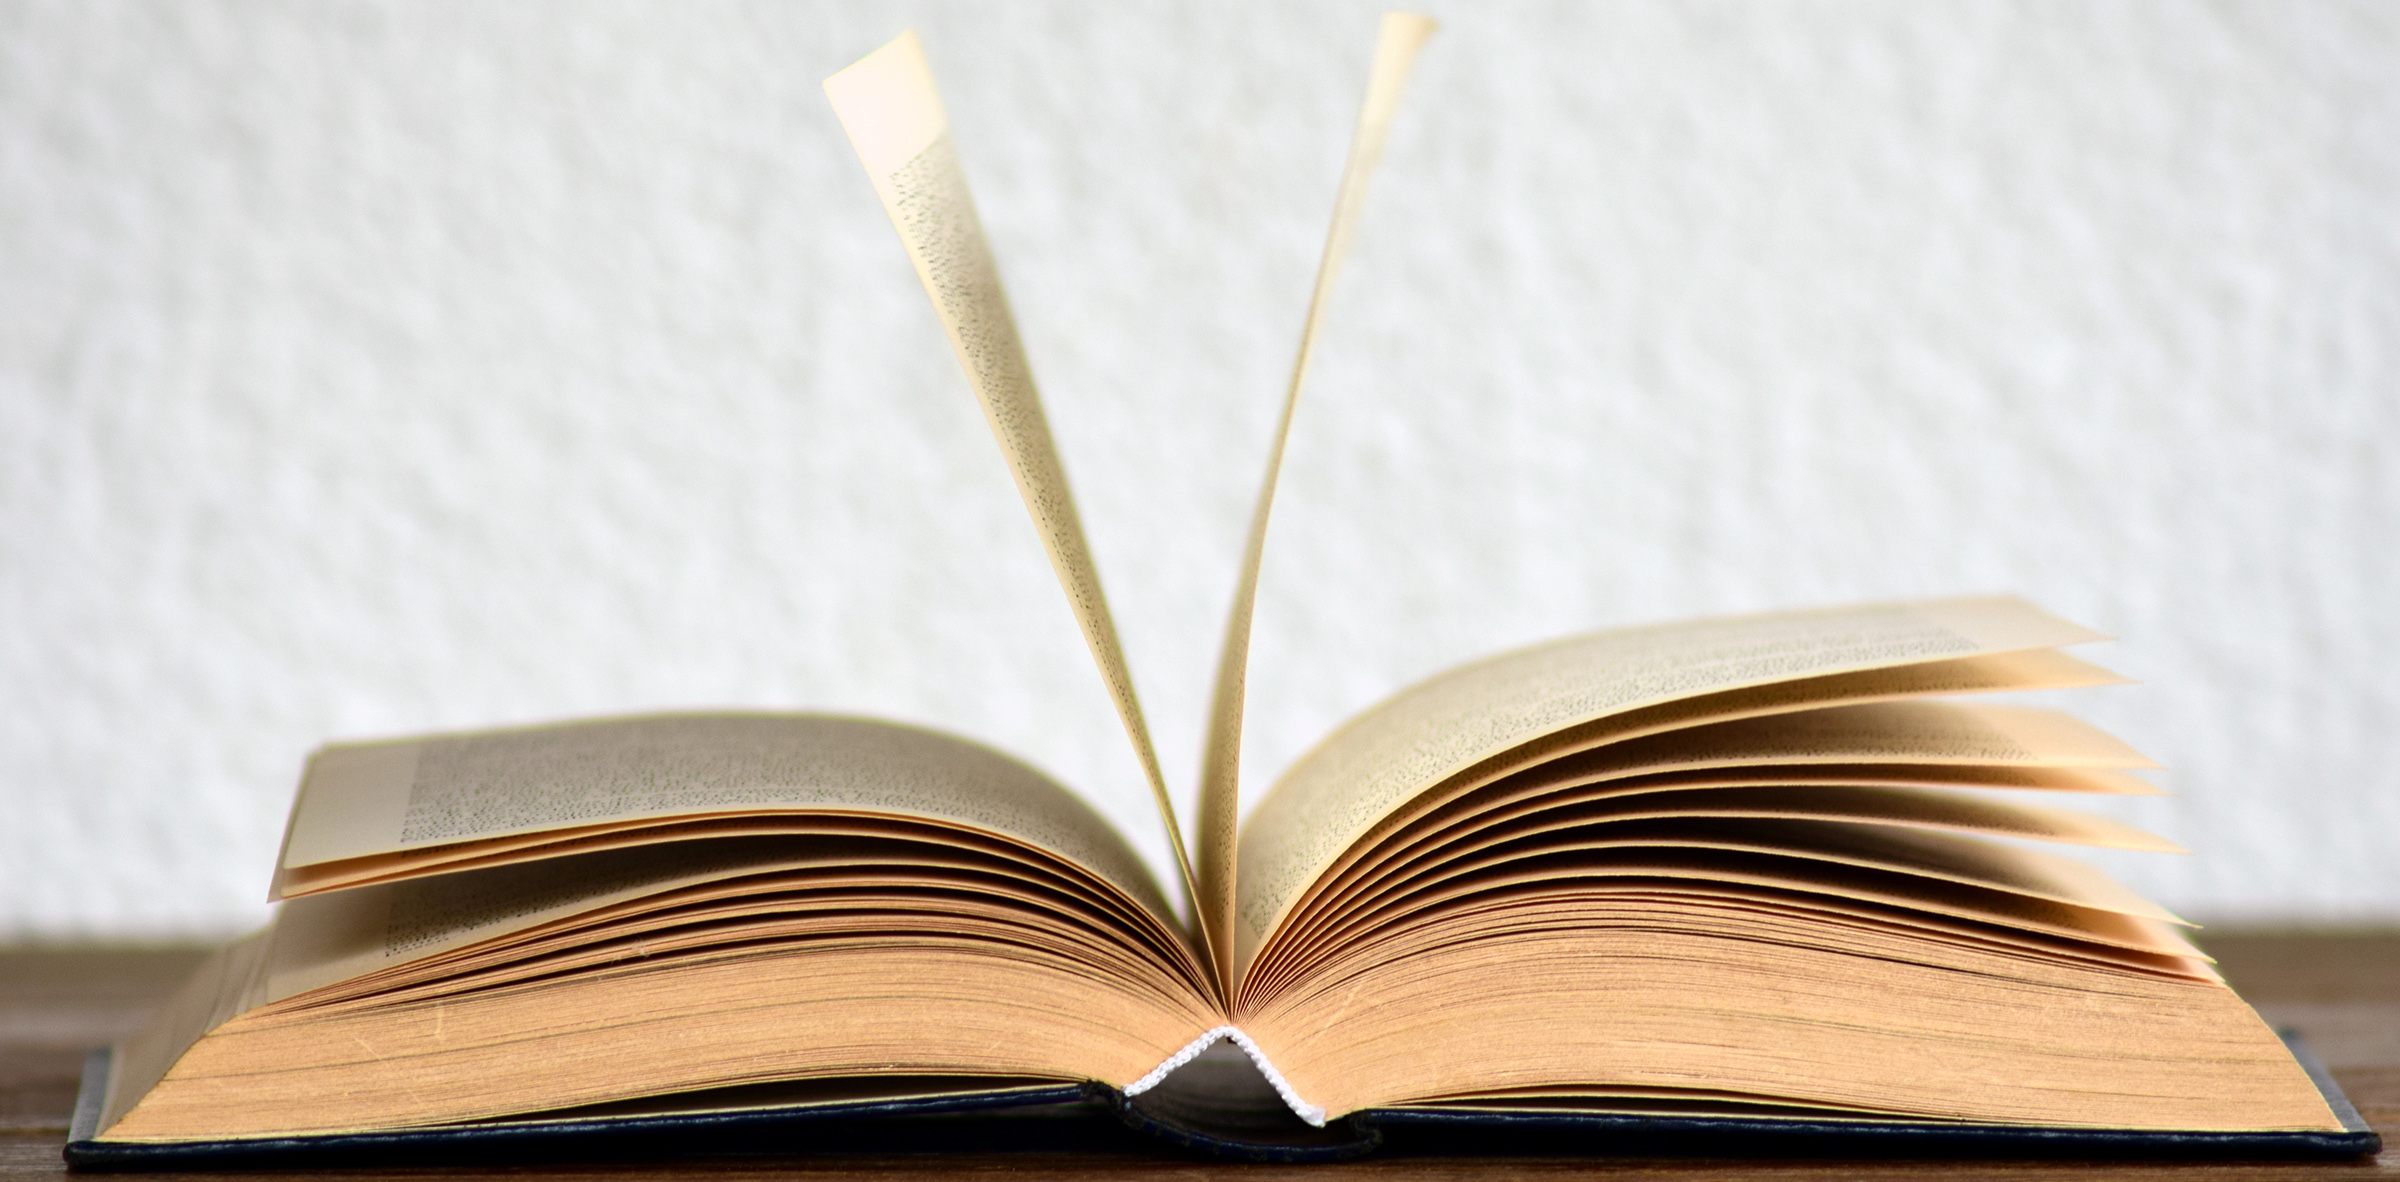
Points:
[(1766, 873)]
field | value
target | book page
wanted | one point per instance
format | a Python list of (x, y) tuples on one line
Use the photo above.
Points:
[(1916, 852), (1403, 36), (228, 982), (356, 939), (888, 104), (1504, 819), (1597, 990), (364, 799), (1490, 781), (2034, 669), (2014, 672), (1434, 729), (1815, 769), (1922, 734)]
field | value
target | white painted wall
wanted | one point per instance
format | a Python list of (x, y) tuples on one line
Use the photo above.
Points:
[(376, 367)]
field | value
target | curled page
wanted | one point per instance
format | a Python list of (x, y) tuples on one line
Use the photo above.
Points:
[(887, 103), (1416, 738), (1403, 35)]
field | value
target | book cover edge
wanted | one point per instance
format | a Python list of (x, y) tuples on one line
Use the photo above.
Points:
[(1365, 1131)]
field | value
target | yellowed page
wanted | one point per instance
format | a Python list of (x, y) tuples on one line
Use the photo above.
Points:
[(1924, 808), (2034, 669), (866, 891), (324, 939), (364, 799), (1701, 871), (2014, 672), (1919, 733), (926, 1000), (1428, 732), (1403, 35), (1685, 997), (2021, 670), (894, 116), (343, 936), (230, 981), (1922, 853), (401, 944)]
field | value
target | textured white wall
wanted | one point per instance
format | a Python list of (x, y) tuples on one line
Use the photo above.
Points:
[(376, 367)]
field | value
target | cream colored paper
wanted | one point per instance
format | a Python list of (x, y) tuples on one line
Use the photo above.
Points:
[(324, 940), (1922, 853), (366, 799), (1396, 49), (888, 104), (1920, 733), (1457, 719)]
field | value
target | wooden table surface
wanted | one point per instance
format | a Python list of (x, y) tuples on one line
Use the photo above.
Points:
[(2341, 990)]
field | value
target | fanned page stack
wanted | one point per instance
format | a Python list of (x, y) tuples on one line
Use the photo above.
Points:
[(1766, 876)]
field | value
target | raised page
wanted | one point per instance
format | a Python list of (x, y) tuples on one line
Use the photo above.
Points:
[(888, 104), (1404, 34)]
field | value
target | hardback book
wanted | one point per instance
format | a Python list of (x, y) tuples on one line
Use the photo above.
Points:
[(1775, 878)]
